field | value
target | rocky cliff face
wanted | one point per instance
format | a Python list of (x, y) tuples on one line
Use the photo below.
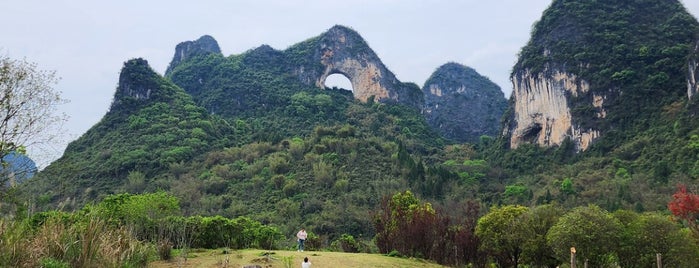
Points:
[(139, 85), (186, 50), (693, 72), (132, 83), (461, 104), (341, 50), (542, 112)]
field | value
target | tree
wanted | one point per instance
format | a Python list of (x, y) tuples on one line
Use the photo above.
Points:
[(501, 234), (593, 231), (405, 225), (685, 207), (669, 239), (537, 222), (27, 107)]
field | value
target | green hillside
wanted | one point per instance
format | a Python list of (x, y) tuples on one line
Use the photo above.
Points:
[(635, 54), (288, 155), (151, 125), (250, 136)]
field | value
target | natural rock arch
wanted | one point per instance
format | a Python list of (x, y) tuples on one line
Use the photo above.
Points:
[(341, 50), (338, 79)]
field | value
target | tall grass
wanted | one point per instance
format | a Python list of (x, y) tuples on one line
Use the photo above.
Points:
[(13, 244), (85, 243)]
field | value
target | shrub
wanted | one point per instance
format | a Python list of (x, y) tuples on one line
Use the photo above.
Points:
[(313, 242), (53, 263), (164, 249), (346, 243)]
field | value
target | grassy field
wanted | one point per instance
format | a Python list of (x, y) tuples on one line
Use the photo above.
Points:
[(283, 259)]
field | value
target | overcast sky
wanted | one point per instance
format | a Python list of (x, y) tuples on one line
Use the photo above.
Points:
[(86, 42)]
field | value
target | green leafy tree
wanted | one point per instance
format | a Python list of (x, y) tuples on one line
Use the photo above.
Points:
[(567, 186), (594, 233), (646, 235), (501, 232), (537, 222), (145, 213)]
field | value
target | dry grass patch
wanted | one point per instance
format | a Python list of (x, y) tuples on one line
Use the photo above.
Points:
[(284, 259)]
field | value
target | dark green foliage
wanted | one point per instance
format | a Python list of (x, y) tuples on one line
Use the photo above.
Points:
[(219, 232), (346, 243)]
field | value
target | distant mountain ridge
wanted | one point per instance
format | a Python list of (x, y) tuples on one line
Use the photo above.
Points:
[(19, 168), (208, 102), (463, 105), (601, 113), (340, 50)]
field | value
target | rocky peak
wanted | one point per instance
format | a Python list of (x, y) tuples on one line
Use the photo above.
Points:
[(188, 49), (137, 81), (341, 50), (461, 104)]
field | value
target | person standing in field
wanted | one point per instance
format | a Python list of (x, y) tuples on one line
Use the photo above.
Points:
[(301, 236)]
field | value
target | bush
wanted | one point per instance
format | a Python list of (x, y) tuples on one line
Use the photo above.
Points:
[(53, 263), (218, 231), (313, 242), (165, 249), (394, 253), (346, 243)]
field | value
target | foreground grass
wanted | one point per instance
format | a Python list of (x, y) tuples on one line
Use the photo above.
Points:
[(281, 258)]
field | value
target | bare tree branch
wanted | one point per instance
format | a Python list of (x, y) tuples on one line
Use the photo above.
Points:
[(28, 108)]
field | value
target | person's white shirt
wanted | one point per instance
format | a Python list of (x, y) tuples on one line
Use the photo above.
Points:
[(306, 264)]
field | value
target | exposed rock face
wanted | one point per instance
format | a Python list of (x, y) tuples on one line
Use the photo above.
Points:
[(137, 82), (130, 82), (341, 50), (693, 74), (185, 50), (461, 104), (542, 112)]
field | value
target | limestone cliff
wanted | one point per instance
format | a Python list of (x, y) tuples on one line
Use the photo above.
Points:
[(693, 72), (341, 50), (186, 50), (593, 68), (542, 112), (461, 104), (140, 85), (134, 83)]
